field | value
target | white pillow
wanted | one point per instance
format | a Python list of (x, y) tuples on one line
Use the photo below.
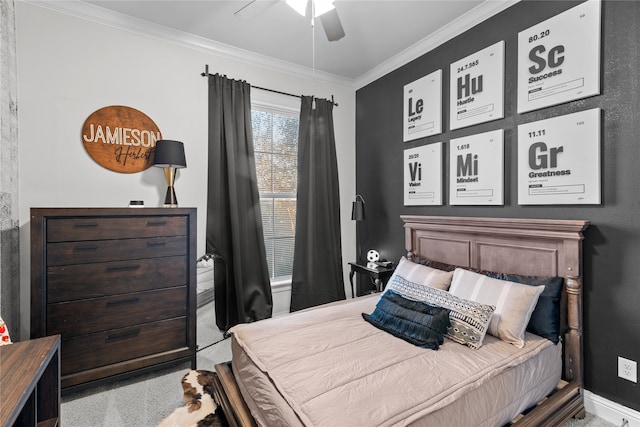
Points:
[(422, 275), (514, 302)]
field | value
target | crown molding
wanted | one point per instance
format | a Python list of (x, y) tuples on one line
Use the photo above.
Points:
[(99, 15), (480, 13)]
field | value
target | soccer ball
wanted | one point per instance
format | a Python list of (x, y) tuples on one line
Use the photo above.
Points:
[(373, 255)]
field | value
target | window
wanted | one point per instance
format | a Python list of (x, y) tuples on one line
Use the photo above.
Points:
[(275, 139)]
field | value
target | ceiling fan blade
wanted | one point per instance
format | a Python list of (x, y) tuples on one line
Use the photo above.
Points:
[(253, 9), (332, 25)]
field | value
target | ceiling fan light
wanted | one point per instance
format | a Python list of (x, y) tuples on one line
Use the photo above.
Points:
[(322, 6), (299, 6)]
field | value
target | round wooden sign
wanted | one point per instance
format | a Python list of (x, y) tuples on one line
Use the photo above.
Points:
[(121, 139)]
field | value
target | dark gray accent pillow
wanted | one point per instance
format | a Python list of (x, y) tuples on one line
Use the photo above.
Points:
[(413, 321)]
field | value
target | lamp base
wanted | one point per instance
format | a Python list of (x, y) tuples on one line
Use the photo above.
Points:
[(170, 200)]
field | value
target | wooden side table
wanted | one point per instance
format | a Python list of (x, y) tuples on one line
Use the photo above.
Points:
[(378, 276), (30, 383)]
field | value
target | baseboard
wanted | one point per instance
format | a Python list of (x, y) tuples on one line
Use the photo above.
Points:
[(610, 411)]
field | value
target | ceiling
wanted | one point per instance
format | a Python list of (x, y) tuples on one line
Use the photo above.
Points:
[(377, 31)]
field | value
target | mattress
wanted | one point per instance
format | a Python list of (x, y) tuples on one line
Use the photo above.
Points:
[(204, 281), (328, 367)]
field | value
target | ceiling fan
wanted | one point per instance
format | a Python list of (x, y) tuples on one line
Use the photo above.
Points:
[(324, 9)]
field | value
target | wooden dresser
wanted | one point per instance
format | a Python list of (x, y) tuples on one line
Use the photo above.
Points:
[(119, 286)]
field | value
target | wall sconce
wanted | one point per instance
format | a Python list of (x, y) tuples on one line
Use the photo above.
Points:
[(170, 156), (357, 214), (357, 209)]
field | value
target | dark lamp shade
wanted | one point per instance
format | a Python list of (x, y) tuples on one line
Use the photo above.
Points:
[(357, 210), (169, 153)]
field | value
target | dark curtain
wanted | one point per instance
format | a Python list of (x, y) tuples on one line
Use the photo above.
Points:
[(317, 260), (234, 220)]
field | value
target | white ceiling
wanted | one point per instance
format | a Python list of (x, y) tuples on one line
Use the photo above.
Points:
[(380, 34)]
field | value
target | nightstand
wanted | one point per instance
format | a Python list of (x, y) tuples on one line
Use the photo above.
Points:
[(378, 276)]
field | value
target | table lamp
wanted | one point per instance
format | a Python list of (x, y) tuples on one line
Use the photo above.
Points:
[(170, 156)]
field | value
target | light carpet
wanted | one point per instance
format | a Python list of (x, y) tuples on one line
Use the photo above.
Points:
[(147, 399), (144, 401)]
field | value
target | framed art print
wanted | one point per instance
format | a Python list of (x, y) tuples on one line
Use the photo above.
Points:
[(559, 160), (476, 169), (559, 59), (423, 107), (476, 90), (423, 175)]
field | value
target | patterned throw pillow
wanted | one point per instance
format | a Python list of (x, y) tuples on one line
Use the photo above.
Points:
[(545, 319), (4, 333), (423, 275), (469, 319), (514, 302)]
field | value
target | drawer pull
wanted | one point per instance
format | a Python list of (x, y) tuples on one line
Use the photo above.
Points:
[(85, 248), (153, 244), (123, 301), (156, 223), (86, 225), (123, 268), (123, 335)]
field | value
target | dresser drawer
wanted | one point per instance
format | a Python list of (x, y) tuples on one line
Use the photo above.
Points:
[(114, 250), (95, 350), (96, 228), (101, 314), (69, 282)]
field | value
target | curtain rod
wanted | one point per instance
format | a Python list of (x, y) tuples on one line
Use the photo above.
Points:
[(206, 74)]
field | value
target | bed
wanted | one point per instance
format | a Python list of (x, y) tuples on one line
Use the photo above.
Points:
[(327, 366)]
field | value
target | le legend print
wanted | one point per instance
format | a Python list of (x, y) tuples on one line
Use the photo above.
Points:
[(476, 167), (559, 59), (423, 175), (477, 87), (559, 160), (423, 107)]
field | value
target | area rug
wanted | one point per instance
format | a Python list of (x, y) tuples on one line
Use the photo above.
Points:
[(201, 409)]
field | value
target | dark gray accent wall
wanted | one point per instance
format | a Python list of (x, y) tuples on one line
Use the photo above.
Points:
[(612, 243)]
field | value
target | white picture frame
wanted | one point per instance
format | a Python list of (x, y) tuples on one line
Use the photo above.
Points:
[(423, 175), (422, 110), (559, 59), (476, 169), (476, 89), (559, 160)]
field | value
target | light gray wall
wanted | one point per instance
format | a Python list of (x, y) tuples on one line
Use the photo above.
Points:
[(9, 235), (70, 66)]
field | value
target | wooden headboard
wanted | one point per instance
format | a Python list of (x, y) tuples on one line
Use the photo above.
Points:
[(534, 247)]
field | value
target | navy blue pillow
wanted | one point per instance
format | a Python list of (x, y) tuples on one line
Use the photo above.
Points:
[(545, 319), (416, 322)]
